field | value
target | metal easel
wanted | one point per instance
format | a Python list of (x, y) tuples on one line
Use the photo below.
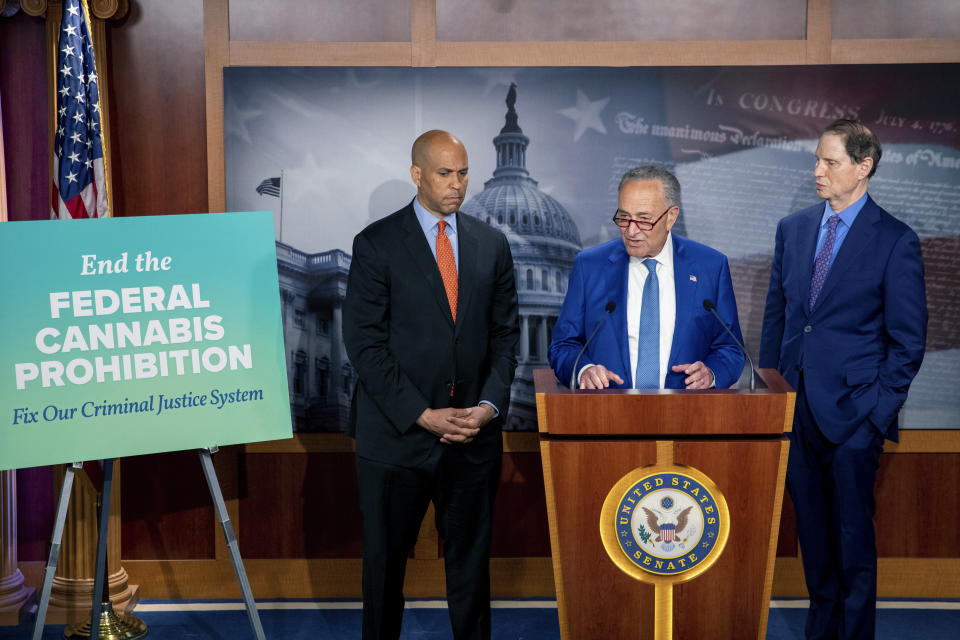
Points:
[(102, 609)]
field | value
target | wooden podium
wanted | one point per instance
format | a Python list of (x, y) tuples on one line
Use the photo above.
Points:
[(589, 440)]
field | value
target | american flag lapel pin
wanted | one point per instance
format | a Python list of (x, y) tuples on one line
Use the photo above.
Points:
[(693, 278)]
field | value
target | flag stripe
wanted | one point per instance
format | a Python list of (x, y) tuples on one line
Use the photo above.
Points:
[(269, 187)]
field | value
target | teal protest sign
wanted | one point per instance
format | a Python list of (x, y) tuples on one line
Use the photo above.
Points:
[(129, 336)]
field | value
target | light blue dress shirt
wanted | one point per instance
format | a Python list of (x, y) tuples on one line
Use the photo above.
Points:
[(428, 222), (847, 216)]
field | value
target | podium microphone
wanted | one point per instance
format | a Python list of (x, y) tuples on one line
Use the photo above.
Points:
[(610, 308), (709, 306)]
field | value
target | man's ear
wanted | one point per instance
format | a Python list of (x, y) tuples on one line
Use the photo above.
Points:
[(865, 167), (672, 217), (415, 174)]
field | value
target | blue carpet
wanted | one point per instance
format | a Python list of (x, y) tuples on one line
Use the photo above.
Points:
[(426, 621)]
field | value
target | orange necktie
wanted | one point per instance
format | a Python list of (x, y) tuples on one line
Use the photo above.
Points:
[(448, 266)]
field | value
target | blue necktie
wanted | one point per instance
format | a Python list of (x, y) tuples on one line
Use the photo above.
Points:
[(821, 266), (648, 339)]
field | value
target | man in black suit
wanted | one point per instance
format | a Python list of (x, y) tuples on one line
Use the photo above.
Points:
[(430, 325)]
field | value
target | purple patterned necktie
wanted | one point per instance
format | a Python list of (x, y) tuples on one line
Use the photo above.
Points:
[(821, 265)]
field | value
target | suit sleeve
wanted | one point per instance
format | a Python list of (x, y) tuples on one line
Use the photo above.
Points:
[(905, 325), (503, 332), (569, 334), (725, 358), (774, 312), (366, 321)]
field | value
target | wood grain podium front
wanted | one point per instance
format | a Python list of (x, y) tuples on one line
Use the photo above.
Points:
[(589, 440)]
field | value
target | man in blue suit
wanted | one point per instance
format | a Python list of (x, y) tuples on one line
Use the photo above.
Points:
[(845, 324), (643, 293)]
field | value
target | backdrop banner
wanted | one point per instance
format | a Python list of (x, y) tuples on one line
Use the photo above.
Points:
[(328, 150), (130, 336)]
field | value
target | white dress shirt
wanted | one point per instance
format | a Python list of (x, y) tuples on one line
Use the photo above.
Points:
[(636, 278)]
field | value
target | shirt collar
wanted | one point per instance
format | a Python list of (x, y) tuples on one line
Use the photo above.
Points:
[(848, 215), (428, 221), (665, 257)]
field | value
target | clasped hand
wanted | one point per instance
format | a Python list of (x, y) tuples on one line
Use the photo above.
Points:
[(456, 426)]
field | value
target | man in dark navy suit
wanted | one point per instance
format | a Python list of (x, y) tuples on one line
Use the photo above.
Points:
[(845, 324), (430, 324)]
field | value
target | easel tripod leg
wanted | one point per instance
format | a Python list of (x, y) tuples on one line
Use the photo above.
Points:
[(221, 508), (56, 539), (101, 571)]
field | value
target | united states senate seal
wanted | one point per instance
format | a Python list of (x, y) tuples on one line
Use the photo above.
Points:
[(664, 522)]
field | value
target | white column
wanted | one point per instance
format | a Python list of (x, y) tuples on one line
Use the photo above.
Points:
[(15, 597), (524, 339), (544, 345)]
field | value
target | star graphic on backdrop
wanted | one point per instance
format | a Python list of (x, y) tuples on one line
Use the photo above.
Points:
[(236, 118), (496, 78), (586, 114)]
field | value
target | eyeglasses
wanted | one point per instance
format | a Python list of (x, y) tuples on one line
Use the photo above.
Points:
[(623, 220)]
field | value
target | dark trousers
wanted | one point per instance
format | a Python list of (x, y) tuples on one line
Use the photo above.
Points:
[(393, 501), (832, 486)]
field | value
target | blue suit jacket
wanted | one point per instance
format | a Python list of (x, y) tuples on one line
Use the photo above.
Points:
[(863, 343), (600, 276)]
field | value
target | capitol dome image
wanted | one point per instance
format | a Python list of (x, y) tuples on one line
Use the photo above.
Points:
[(544, 241)]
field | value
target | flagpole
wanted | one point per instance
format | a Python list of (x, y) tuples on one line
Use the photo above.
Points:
[(3, 173), (282, 181)]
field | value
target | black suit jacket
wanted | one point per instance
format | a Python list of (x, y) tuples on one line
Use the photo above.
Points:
[(401, 338)]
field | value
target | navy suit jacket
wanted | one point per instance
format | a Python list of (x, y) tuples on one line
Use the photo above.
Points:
[(406, 348), (863, 342), (600, 276)]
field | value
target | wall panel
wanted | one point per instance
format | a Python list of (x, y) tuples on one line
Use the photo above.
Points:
[(297, 505), (23, 89), (166, 509), (159, 162)]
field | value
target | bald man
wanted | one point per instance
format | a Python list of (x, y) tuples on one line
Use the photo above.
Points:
[(430, 324)]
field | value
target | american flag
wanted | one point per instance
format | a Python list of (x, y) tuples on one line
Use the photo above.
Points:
[(79, 174), (270, 187)]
